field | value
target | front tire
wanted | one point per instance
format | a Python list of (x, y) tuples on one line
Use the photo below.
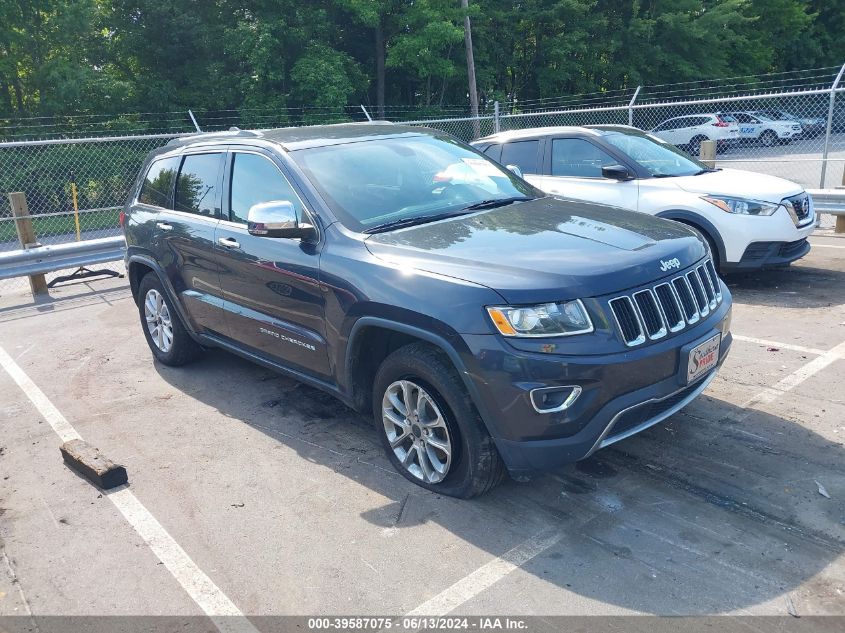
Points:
[(167, 337), (429, 427), (768, 139)]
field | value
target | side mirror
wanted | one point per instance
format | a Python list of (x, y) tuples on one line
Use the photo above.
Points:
[(277, 218), (515, 169), (616, 172)]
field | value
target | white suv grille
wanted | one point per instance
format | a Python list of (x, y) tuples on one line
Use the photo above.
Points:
[(671, 306)]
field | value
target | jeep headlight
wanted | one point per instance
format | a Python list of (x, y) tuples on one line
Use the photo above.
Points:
[(742, 206), (548, 319)]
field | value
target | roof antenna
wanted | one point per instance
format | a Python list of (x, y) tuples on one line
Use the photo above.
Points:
[(193, 118), (369, 118)]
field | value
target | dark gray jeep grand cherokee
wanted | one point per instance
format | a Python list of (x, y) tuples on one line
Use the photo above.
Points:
[(486, 326)]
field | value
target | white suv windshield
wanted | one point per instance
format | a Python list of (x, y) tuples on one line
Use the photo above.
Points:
[(382, 181), (659, 158)]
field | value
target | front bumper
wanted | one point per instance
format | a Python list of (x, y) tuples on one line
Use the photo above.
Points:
[(769, 255), (623, 394)]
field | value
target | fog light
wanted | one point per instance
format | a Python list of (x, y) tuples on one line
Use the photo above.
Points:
[(554, 399)]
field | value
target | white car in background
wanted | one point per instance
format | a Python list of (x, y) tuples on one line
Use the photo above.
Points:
[(689, 131), (754, 126), (750, 220), (811, 126)]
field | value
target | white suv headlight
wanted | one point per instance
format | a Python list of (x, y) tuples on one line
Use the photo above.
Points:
[(548, 319), (742, 206)]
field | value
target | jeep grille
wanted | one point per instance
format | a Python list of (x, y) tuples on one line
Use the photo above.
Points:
[(652, 313)]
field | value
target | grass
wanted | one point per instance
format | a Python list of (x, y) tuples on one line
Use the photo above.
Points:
[(62, 224)]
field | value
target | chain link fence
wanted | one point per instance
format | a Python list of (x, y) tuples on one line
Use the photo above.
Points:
[(790, 125)]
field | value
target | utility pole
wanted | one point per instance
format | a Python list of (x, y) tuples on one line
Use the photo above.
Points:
[(473, 91)]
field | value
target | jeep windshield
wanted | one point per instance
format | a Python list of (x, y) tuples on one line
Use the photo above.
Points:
[(395, 181), (661, 159)]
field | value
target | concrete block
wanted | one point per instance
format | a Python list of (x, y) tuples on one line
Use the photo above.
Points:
[(93, 465)]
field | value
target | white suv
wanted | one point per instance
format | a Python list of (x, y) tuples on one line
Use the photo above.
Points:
[(750, 220), (689, 131), (754, 126)]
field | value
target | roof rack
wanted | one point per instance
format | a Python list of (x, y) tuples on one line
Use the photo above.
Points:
[(233, 132)]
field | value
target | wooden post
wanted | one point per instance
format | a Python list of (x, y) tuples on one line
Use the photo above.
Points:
[(840, 224), (473, 90), (26, 235), (707, 153)]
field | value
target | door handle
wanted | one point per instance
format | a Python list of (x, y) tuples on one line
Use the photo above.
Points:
[(164, 226), (228, 242)]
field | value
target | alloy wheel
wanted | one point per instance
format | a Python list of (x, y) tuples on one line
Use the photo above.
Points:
[(417, 431), (159, 323)]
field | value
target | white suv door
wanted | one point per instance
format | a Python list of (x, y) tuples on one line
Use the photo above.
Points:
[(575, 172), (750, 127)]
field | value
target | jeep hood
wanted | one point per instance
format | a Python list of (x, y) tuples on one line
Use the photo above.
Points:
[(545, 249), (739, 184)]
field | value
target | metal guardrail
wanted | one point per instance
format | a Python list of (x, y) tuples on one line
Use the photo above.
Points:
[(828, 200), (46, 259)]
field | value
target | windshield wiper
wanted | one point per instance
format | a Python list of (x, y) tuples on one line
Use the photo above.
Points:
[(492, 203), (413, 220), (706, 170)]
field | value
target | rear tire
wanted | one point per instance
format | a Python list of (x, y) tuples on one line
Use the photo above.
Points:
[(439, 442), (166, 335), (695, 145)]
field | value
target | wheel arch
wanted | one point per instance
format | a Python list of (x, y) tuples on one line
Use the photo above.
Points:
[(139, 265), (701, 224), (359, 372)]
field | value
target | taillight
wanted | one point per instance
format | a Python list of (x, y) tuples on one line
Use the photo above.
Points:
[(121, 219)]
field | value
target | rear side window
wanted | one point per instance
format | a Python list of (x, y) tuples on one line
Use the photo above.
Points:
[(578, 158), (198, 188), (158, 183), (494, 152), (254, 180), (523, 154)]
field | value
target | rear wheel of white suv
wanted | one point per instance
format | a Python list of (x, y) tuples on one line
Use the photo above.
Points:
[(695, 145), (167, 337), (430, 429)]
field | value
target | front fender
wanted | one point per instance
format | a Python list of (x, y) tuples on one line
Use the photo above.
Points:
[(699, 222), (435, 339)]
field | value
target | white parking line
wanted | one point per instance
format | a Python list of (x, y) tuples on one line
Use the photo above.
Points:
[(490, 573), (487, 575), (826, 245), (208, 596), (789, 382), (779, 345)]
